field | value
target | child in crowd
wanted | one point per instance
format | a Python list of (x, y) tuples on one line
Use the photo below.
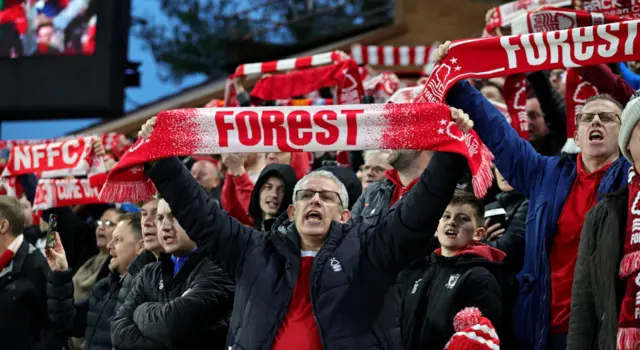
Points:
[(462, 273)]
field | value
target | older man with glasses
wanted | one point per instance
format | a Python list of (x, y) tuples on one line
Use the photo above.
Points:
[(317, 280)]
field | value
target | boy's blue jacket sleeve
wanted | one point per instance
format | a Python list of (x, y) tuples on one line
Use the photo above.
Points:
[(515, 157)]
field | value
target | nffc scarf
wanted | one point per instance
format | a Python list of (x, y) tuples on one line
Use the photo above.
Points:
[(107, 141), (505, 14), (629, 320), (55, 193), (288, 129), (56, 159), (629, 8), (515, 96), (343, 74), (551, 18), (10, 252)]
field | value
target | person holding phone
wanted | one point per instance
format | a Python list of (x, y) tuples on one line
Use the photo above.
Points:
[(505, 224)]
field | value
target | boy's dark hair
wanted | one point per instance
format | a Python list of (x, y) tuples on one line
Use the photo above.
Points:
[(461, 198)]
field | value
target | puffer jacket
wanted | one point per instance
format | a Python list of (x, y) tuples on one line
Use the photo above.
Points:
[(374, 203), (145, 257), (187, 311), (353, 273), (597, 291), (90, 317), (23, 301)]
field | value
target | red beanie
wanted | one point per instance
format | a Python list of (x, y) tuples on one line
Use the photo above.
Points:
[(473, 332)]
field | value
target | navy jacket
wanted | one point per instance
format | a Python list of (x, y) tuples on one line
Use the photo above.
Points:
[(546, 181), (353, 274)]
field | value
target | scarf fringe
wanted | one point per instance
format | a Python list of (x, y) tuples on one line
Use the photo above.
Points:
[(630, 264), (628, 338), (483, 179), (134, 191)]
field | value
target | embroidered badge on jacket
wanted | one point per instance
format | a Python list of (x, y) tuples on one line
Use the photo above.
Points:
[(452, 281)]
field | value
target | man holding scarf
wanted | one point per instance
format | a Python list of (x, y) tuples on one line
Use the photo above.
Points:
[(560, 190), (318, 279), (603, 300)]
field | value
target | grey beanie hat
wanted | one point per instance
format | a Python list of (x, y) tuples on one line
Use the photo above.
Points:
[(630, 117)]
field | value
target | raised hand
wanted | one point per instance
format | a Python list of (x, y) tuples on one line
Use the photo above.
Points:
[(56, 256), (147, 128), (461, 119)]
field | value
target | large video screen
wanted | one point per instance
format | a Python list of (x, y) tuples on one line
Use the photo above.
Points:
[(47, 27)]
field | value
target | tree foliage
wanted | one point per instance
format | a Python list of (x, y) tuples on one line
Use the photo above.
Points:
[(213, 36)]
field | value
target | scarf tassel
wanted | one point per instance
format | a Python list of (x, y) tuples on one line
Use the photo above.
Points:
[(630, 264), (135, 191), (628, 338)]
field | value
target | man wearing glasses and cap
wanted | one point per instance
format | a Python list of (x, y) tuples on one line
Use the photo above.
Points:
[(317, 279)]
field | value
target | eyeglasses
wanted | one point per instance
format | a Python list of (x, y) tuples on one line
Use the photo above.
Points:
[(374, 168), (325, 196), (605, 117), (105, 223)]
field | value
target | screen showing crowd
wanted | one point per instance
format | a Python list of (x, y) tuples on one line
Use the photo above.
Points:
[(46, 27)]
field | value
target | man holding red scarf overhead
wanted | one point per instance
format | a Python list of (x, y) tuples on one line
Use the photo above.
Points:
[(561, 190), (317, 280)]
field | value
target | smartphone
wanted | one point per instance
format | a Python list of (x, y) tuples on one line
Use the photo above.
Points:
[(497, 216), (51, 238)]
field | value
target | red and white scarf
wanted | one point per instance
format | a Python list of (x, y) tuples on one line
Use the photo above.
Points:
[(230, 96), (382, 86), (55, 193), (505, 14), (549, 19), (507, 55), (629, 321), (577, 92), (10, 252), (106, 138), (515, 96), (343, 74), (630, 8), (56, 159), (289, 129)]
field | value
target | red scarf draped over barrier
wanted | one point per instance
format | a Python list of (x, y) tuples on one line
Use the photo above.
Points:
[(288, 129)]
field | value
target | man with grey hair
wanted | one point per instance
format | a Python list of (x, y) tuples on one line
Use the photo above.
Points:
[(379, 196), (318, 279)]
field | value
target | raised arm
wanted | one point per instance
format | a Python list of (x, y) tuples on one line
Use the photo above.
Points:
[(186, 321), (515, 157), (214, 231), (65, 316), (408, 229)]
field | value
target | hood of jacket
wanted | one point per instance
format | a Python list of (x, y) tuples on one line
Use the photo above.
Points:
[(281, 171), (478, 251)]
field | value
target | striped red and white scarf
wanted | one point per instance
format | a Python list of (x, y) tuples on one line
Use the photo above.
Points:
[(10, 252)]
